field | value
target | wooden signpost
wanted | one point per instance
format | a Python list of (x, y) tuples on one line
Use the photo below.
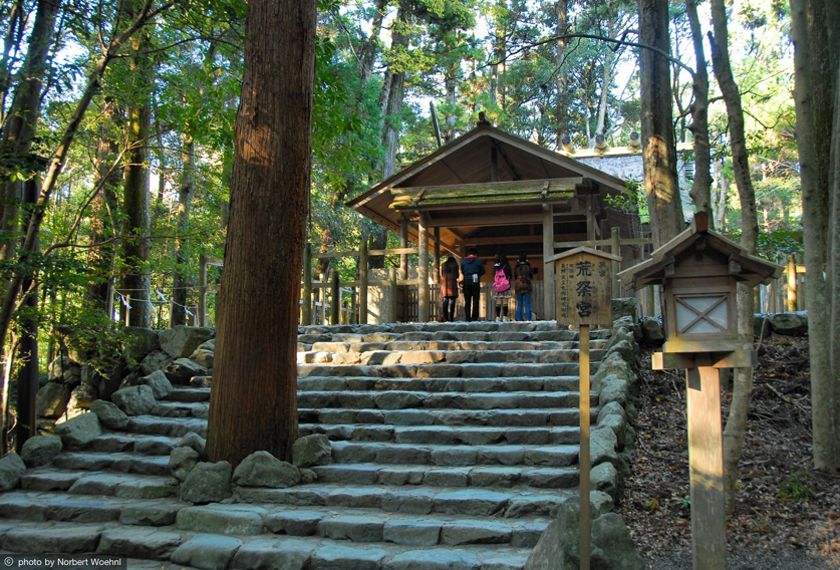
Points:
[(583, 288), (699, 270)]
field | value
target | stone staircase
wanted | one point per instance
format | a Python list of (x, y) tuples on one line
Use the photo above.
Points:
[(451, 443)]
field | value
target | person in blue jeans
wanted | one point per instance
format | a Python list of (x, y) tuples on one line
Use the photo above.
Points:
[(472, 268), (522, 287)]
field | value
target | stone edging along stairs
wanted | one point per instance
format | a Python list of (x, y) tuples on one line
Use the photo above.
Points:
[(452, 444)]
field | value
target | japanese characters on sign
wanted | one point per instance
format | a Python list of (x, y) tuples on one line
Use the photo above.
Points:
[(584, 287)]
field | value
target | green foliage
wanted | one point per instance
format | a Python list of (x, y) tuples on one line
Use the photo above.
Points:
[(797, 486)]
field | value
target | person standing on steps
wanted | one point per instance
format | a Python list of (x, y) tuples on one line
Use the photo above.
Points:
[(502, 278), (473, 268), (449, 274), (522, 288)]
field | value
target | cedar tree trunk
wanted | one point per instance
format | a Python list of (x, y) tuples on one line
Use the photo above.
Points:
[(253, 405)]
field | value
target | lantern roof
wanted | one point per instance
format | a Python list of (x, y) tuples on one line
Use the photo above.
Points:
[(742, 265)]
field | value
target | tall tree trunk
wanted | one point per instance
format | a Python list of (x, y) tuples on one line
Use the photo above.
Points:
[(721, 185), (181, 280), (253, 404), (136, 280), (11, 44), (23, 118), (701, 187), (367, 54), (606, 81), (736, 421), (561, 118), (103, 215), (660, 164), (815, 34)]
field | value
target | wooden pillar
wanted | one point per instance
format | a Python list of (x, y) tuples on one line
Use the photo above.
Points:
[(306, 315), (548, 268), (363, 283), (615, 249), (403, 243), (436, 276), (591, 232), (392, 274), (705, 458), (422, 269), (335, 301), (790, 300)]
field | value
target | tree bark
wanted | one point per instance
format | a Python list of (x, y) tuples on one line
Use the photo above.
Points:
[(181, 281), (253, 405), (660, 165), (701, 187), (561, 115), (814, 29), (136, 281)]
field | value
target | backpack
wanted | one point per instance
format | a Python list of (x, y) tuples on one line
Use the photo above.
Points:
[(500, 281), (523, 278)]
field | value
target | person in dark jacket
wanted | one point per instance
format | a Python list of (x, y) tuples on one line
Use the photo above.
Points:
[(502, 278), (473, 268), (522, 287), (449, 274)]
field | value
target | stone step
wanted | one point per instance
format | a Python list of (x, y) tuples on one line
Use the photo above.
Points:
[(390, 357), (446, 345), (529, 417), (448, 435), (189, 394), (187, 549), (469, 385), (470, 476), (173, 427), (422, 500), (454, 455), (80, 482), (136, 442), (443, 370), (45, 506), (401, 400), (170, 409), (120, 461)]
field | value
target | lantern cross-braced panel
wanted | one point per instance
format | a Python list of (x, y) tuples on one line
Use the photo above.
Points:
[(702, 314)]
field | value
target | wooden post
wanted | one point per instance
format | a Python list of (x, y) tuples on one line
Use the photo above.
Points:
[(335, 301), (705, 458), (650, 300), (394, 299), (548, 268), (790, 301), (307, 285), (422, 270), (615, 249), (403, 243), (436, 276), (202, 290), (584, 459), (363, 282)]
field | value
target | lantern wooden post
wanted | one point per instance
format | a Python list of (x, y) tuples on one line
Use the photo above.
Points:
[(699, 271), (583, 295)]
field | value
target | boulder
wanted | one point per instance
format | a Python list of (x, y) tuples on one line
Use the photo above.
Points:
[(602, 446), (65, 370), (203, 355), (652, 332), (261, 469), (140, 341), (311, 450), (180, 341), (181, 370), (109, 414), (629, 351), (158, 382), (155, 360), (135, 400), (790, 324), (613, 388), (207, 483), (194, 441), (81, 398), (40, 450), (625, 307), (79, 431), (181, 462), (604, 477), (613, 546), (51, 400), (11, 468)]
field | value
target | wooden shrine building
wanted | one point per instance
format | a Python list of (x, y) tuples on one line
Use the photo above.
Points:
[(500, 193)]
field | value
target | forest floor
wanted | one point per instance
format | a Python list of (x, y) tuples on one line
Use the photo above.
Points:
[(787, 516)]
